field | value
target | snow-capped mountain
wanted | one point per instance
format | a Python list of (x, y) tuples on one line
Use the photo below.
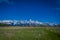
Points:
[(25, 22)]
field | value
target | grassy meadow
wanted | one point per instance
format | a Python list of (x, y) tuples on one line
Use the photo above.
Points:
[(29, 33)]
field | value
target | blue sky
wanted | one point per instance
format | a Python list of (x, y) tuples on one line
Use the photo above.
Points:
[(41, 10)]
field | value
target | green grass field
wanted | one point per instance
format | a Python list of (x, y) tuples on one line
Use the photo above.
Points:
[(29, 33)]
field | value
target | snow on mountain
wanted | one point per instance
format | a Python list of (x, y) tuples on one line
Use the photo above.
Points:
[(6, 21), (25, 22), (52, 24)]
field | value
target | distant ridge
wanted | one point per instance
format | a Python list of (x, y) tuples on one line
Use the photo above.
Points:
[(25, 23)]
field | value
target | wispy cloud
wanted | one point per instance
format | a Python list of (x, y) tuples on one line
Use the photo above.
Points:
[(4, 1), (57, 8), (58, 1), (7, 1)]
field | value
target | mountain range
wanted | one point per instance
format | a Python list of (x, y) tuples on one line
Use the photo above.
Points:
[(26, 23)]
